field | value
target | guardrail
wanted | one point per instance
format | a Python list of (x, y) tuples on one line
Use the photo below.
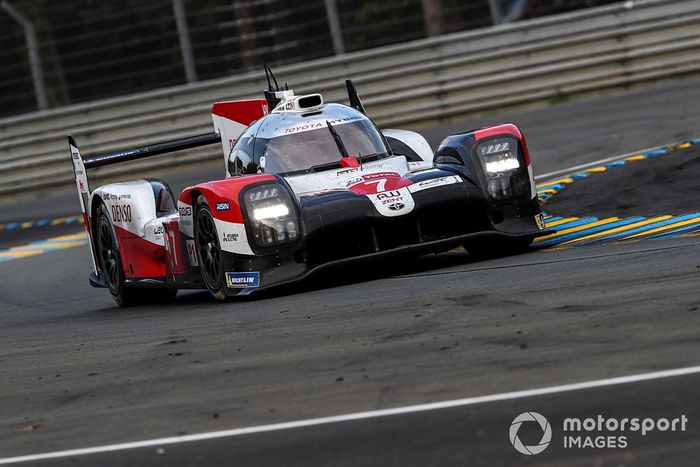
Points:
[(414, 84)]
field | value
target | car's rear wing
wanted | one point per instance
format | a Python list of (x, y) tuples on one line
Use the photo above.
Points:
[(81, 166)]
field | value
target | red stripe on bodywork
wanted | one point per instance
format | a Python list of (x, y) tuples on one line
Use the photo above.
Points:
[(174, 248), (140, 258), (379, 182), (505, 129), (225, 191), (244, 112)]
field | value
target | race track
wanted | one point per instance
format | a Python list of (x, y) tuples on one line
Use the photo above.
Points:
[(77, 372)]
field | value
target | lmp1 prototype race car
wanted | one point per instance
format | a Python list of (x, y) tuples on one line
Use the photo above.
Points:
[(308, 185)]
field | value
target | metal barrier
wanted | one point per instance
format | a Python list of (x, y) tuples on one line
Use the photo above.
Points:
[(415, 84)]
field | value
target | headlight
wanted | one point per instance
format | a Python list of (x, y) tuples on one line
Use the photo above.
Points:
[(506, 175), (502, 164), (271, 214)]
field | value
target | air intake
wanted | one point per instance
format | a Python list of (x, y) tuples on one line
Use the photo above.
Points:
[(309, 102)]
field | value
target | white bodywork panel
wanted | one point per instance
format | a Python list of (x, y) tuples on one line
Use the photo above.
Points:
[(344, 178), (131, 204), (232, 237), (186, 218), (533, 185), (132, 207), (413, 140)]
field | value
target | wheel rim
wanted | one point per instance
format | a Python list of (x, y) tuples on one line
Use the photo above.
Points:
[(208, 248), (109, 262)]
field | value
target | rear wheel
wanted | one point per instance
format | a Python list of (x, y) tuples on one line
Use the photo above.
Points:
[(209, 255), (110, 264)]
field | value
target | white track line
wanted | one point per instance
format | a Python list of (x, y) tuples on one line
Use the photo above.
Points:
[(355, 416), (587, 165)]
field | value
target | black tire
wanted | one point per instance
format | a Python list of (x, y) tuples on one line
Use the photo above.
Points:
[(209, 254), (494, 248), (110, 264)]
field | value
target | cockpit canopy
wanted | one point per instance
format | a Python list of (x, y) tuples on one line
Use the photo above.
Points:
[(287, 142)]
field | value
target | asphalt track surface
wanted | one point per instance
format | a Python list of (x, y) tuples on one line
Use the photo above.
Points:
[(75, 371)]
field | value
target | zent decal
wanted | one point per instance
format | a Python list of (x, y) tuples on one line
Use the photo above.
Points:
[(393, 203)]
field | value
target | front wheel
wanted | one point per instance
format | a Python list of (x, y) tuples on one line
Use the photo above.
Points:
[(209, 255), (110, 264)]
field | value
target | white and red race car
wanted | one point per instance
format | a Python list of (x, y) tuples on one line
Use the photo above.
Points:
[(308, 185)]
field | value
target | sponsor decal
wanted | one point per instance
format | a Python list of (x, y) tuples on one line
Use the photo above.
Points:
[(224, 206), (393, 203), (388, 194), (191, 253), (160, 230), (390, 201), (121, 213), (304, 127), (389, 197), (434, 182), (243, 279), (539, 219), (380, 175), (352, 181), (230, 237), (186, 221)]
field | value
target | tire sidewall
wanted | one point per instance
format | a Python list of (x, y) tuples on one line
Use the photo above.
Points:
[(217, 290), (115, 289)]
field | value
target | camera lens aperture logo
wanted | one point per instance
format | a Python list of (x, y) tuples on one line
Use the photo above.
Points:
[(546, 433)]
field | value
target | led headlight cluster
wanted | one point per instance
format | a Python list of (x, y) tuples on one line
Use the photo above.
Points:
[(506, 176), (271, 214)]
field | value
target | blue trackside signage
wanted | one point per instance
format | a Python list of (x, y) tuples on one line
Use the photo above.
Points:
[(243, 279), (223, 206)]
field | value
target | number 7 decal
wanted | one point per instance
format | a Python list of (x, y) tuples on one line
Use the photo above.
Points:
[(381, 184)]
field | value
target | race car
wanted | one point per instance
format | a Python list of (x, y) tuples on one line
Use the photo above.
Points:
[(309, 185)]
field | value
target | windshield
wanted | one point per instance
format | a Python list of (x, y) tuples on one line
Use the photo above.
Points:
[(307, 149)]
